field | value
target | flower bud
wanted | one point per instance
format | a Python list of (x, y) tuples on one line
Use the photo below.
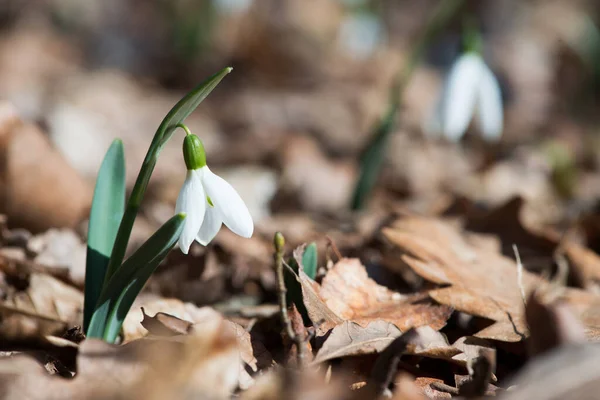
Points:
[(279, 242), (193, 152)]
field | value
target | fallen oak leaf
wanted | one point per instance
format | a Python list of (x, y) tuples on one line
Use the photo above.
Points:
[(482, 282), (506, 222), (46, 307), (319, 313), (349, 292), (203, 363), (352, 339)]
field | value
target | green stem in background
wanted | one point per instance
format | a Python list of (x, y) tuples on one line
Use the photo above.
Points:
[(372, 159), (176, 116)]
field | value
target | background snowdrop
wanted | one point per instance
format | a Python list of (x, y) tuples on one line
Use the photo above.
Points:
[(470, 90)]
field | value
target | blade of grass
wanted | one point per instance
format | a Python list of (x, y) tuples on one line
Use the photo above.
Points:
[(107, 209)]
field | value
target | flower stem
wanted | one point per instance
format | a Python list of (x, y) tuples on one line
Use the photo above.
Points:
[(372, 158)]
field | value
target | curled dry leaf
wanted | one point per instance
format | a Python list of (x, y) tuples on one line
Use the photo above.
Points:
[(538, 247), (204, 363), (172, 317), (482, 282), (352, 339), (46, 307), (176, 309), (348, 294), (60, 248), (162, 324)]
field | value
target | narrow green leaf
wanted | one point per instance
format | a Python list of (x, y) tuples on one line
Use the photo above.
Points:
[(118, 295), (177, 115), (372, 159), (309, 265), (108, 205), (189, 103), (310, 260)]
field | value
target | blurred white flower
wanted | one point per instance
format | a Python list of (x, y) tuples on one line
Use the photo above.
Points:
[(208, 201), (471, 89)]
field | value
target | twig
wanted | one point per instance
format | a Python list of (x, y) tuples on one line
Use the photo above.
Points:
[(333, 247), (519, 273), (279, 242)]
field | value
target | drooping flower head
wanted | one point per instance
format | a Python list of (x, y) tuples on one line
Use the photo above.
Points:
[(208, 200), (471, 89)]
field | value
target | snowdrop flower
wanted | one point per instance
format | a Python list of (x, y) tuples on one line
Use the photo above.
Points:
[(207, 200), (470, 89)]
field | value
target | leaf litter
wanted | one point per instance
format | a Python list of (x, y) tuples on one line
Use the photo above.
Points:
[(422, 297)]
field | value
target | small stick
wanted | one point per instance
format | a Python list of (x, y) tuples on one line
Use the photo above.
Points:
[(519, 273), (279, 242), (334, 247)]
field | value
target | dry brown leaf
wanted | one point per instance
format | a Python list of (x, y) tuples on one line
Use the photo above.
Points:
[(406, 388), (298, 385), (58, 249), (46, 307), (319, 313), (162, 324), (204, 363), (174, 317), (132, 325), (570, 372), (347, 293), (537, 247), (470, 348), (350, 293), (483, 282), (428, 388), (351, 339), (35, 196)]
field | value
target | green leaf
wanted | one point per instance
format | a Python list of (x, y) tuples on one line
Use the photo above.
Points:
[(177, 115), (108, 205), (189, 103), (120, 292), (372, 159), (310, 260), (309, 266)]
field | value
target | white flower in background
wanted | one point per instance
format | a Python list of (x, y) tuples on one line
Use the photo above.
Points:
[(471, 89), (208, 201)]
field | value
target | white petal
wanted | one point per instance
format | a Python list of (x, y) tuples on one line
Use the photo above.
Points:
[(210, 226), (229, 204), (192, 201), (489, 107), (461, 95)]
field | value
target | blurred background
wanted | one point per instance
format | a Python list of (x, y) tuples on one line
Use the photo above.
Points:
[(311, 81)]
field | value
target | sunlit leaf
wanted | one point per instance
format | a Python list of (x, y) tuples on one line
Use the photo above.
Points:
[(105, 216)]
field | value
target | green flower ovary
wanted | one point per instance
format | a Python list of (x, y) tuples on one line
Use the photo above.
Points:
[(193, 152)]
